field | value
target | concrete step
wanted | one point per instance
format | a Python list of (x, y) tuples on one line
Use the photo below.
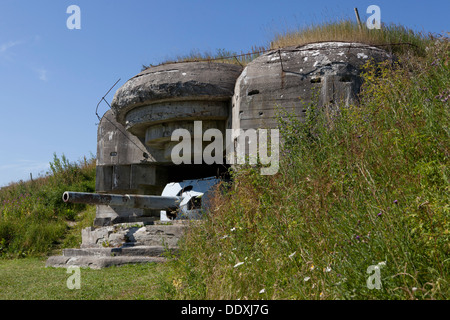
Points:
[(134, 235), (99, 262), (121, 244), (149, 251)]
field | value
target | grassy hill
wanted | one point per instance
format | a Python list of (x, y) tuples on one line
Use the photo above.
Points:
[(33, 218)]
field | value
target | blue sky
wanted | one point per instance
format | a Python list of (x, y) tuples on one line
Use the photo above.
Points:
[(51, 78)]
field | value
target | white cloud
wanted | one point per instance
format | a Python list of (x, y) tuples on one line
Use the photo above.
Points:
[(42, 74), (6, 53), (6, 46)]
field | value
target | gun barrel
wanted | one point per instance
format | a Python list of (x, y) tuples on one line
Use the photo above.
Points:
[(130, 201)]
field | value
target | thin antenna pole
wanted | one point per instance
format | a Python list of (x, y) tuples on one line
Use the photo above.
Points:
[(103, 99)]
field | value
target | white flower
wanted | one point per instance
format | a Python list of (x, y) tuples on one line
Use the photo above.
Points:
[(414, 289), (382, 263), (262, 291), (327, 269), (292, 254), (306, 279), (224, 237), (238, 264), (312, 267), (232, 229)]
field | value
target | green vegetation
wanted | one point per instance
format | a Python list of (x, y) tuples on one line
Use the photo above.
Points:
[(220, 56), (392, 38), (367, 185), (34, 219), (346, 30)]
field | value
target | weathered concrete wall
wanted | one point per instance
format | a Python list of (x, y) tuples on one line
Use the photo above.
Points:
[(161, 99), (121, 163), (122, 168), (288, 78)]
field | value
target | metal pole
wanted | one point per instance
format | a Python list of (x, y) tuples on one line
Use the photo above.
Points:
[(357, 19)]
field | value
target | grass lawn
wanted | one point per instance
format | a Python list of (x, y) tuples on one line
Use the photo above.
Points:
[(29, 279)]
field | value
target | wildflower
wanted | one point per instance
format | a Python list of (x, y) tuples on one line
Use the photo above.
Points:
[(414, 289), (327, 269), (177, 283), (312, 267), (225, 236), (262, 291), (306, 278), (321, 294), (395, 201), (382, 264), (232, 229), (379, 214), (292, 254), (238, 264)]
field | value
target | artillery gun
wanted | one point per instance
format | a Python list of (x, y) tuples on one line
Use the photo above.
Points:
[(179, 200)]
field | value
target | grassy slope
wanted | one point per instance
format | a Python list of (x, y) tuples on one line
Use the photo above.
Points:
[(33, 218), (371, 188)]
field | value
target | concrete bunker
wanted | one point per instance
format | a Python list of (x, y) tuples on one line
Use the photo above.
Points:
[(134, 138)]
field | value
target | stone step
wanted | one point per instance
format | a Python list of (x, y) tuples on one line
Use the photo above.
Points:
[(149, 251), (122, 244), (135, 235), (99, 262)]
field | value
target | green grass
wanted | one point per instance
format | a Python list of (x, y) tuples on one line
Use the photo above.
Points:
[(28, 279)]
